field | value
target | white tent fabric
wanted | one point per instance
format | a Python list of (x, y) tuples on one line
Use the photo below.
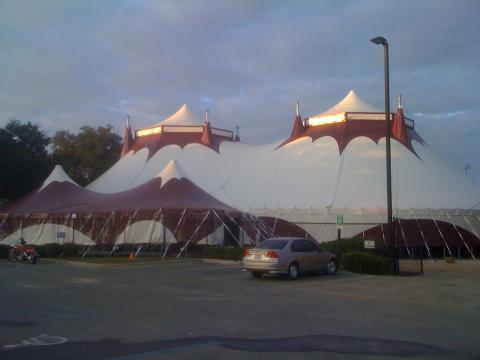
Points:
[(143, 232), (183, 116), (42, 234), (171, 171), (306, 182), (58, 174), (306, 174), (350, 103)]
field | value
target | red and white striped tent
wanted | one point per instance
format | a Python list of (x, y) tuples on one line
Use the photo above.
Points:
[(332, 165)]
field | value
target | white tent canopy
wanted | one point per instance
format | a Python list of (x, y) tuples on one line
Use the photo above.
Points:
[(350, 103), (57, 175), (183, 116)]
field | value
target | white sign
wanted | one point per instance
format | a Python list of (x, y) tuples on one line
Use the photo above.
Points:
[(369, 244)]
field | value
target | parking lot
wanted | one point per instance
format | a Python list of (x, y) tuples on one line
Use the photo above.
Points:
[(185, 309)]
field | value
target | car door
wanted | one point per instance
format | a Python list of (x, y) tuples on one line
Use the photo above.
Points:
[(321, 258), (312, 258), (299, 255), (305, 253)]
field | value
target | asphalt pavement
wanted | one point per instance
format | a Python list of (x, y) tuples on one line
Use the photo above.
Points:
[(191, 309)]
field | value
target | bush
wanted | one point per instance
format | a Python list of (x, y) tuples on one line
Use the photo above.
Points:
[(4, 249), (70, 250), (342, 246), (226, 253), (360, 262), (51, 250)]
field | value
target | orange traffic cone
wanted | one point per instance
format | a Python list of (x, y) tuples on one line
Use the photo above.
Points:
[(131, 257)]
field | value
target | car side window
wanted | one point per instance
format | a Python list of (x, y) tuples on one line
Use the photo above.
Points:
[(296, 246), (316, 246), (309, 246)]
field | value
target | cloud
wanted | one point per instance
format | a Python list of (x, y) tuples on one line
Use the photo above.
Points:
[(69, 63)]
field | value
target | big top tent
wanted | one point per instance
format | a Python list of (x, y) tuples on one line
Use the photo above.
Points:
[(331, 165)]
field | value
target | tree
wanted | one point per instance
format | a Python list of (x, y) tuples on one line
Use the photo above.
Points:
[(24, 162), (88, 154)]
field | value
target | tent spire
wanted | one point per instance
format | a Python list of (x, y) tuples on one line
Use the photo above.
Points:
[(127, 139), (298, 108), (207, 119), (237, 135), (399, 101)]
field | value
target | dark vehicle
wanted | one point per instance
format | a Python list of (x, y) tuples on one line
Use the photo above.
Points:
[(20, 253), (288, 256)]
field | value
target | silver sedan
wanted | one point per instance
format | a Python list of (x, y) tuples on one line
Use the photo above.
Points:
[(289, 256)]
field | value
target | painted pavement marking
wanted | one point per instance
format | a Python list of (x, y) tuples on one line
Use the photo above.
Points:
[(40, 340)]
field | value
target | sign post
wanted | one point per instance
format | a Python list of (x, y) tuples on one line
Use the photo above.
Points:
[(339, 226)]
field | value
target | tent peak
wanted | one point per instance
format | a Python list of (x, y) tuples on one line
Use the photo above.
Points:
[(350, 103), (171, 171), (183, 116), (57, 175)]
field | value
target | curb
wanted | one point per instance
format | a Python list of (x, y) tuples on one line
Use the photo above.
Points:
[(221, 262)]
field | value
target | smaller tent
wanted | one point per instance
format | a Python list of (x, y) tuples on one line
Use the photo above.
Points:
[(186, 212)]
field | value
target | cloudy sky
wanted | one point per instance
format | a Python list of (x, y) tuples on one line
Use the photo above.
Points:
[(65, 64)]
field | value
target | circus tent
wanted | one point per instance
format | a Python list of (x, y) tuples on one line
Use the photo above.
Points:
[(331, 165), (168, 203)]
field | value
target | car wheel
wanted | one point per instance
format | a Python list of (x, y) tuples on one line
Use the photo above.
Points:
[(293, 271), (256, 274), (332, 267)]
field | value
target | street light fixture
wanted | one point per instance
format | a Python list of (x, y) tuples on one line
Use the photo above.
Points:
[(379, 40)]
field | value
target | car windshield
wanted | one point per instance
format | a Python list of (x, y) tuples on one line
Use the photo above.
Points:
[(272, 244)]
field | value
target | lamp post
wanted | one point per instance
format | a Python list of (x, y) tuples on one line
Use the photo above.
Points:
[(391, 233)]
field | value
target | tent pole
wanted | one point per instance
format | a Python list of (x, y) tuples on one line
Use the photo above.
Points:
[(184, 247), (404, 238), (72, 225), (441, 235), (164, 233), (423, 236), (239, 228), (275, 223), (363, 222), (265, 233), (175, 231), (260, 231), (461, 237), (98, 235), (154, 220), (238, 242), (138, 250), (131, 217), (4, 220), (471, 227)]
